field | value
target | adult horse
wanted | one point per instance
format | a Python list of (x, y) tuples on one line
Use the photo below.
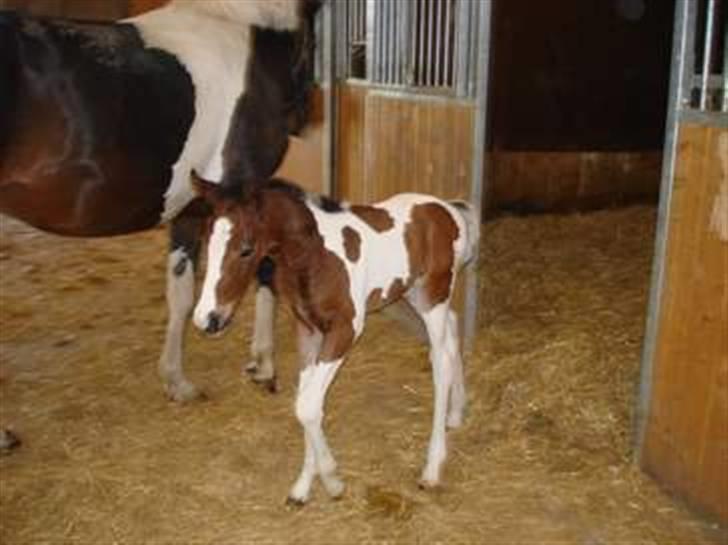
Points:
[(103, 125)]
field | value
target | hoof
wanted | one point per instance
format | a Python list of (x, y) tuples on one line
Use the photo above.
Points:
[(295, 503), (454, 421), (334, 487), (8, 442), (428, 484), (251, 368), (184, 392), (268, 384)]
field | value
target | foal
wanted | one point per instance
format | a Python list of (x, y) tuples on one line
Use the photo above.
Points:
[(333, 263)]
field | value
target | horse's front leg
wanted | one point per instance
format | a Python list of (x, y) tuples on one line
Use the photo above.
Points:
[(185, 236), (261, 368)]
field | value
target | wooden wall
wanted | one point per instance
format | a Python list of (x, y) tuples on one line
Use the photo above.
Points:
[(686, 441), (303, 163), (390, 143), (555, 181)]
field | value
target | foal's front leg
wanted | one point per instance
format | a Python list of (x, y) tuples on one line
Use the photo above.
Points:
[(314, 380), (185, 233)]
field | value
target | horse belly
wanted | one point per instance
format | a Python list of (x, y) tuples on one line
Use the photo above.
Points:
[(91, 151)]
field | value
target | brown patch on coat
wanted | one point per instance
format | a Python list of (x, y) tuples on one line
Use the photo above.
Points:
[(378, 299), (430, 237), (376, 218), (352, 244), (310, 278)]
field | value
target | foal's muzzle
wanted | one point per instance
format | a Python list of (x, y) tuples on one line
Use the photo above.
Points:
[(215, 323)]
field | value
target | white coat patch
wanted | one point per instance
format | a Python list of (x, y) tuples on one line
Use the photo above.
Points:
[(217, 246)]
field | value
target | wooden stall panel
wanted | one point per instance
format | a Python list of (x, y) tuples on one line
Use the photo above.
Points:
[(350, 148), (391, 143), (686, 445), (417, 144), (303, 162), (572, 180)]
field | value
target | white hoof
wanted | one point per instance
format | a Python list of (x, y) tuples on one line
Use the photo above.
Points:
[(183, 392), (334, 486)]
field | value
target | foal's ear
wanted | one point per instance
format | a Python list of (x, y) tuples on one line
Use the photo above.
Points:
[(207, 190)]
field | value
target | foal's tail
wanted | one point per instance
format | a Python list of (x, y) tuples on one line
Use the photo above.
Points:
[(472, 223)]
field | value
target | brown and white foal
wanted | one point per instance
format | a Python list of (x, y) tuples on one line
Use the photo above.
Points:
[(333, 263)]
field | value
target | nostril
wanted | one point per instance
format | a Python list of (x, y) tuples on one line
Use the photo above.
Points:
[(213, 323)]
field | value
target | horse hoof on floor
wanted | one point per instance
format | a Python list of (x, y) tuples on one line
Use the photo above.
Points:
[(427, 484), (295, 503), (8, 442), (185, 392), (268, 384)]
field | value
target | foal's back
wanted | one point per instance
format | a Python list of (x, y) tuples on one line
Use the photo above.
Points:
[(395, 244)]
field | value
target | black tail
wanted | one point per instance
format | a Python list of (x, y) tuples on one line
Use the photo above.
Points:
[(9, 73)]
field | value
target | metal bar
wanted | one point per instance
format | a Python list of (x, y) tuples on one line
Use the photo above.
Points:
[(437, 44), (391, 41), (411, 62), (370, 35), (461, 47), (478, 180), (448, 40), (707, 55), (379, 33), (430, 43), (422, 18), (683, 66)]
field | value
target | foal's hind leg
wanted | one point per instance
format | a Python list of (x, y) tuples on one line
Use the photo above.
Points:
[(458, 397), (436, 320), (185, 235)]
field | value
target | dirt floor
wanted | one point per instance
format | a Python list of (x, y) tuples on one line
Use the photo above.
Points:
[(544, 456)]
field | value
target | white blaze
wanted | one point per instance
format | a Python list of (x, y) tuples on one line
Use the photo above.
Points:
[(216, 248)]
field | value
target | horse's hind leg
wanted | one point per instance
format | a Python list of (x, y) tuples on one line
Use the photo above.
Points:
[(261, 367), (185, 234)]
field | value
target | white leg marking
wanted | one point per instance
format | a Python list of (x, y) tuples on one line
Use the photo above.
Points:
[(436, 321), (458, 396), (180, 299), (314, 382), (262, 367), (216, 249)]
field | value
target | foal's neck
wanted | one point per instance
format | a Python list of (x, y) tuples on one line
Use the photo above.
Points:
[(289, 223)]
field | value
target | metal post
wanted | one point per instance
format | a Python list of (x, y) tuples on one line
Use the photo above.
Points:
[(683, 66), (480, 139), (464, 39), (370, 36), (707, 55)]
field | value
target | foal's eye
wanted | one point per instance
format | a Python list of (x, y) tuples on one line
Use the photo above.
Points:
[(246, 251)]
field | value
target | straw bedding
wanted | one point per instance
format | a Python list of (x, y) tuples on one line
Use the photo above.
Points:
[(544, 456)]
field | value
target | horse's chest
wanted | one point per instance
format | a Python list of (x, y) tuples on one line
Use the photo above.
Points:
[(216, 58)]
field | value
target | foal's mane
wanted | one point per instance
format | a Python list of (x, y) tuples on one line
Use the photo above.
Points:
[(327, 204)]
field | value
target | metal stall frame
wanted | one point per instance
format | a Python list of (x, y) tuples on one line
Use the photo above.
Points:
[(688, 103), (461, 74)]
